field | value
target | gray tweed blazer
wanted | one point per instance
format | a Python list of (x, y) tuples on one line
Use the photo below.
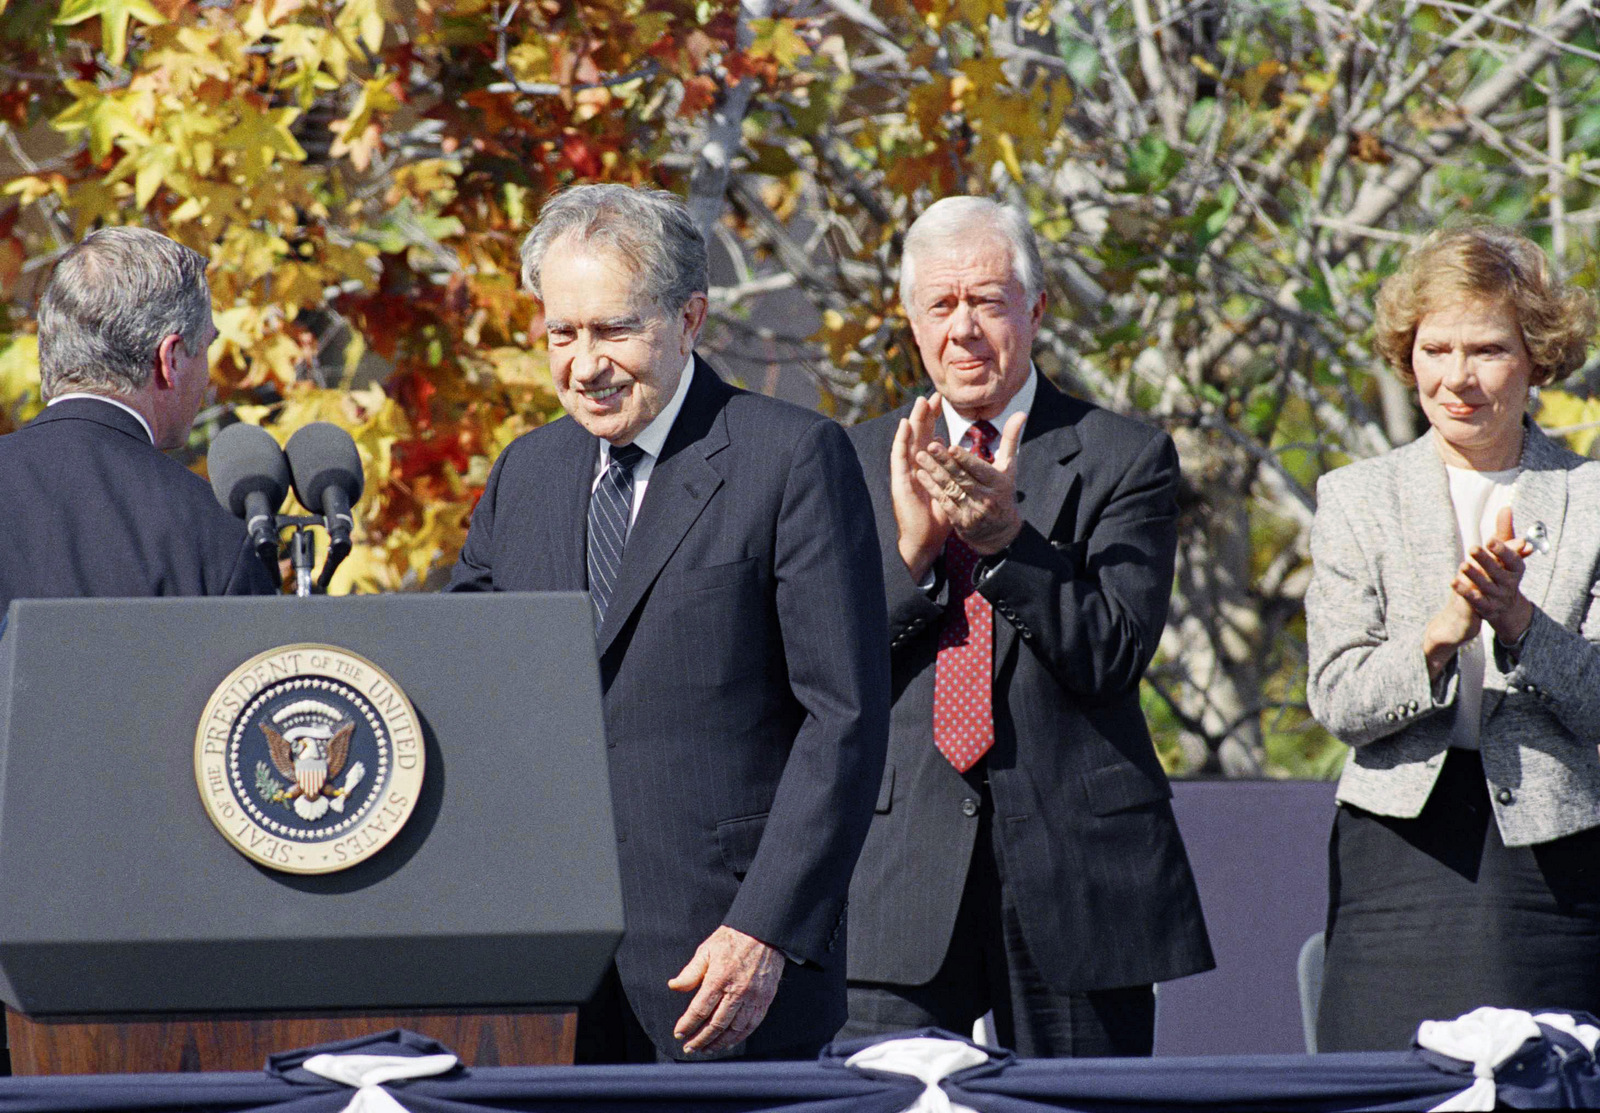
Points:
[(1384, 549)]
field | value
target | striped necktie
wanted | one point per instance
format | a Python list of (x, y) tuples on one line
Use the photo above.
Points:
[(610, 508)]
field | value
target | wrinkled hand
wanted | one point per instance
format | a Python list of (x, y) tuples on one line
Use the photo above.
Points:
[(1455, 625), (735, 977), (921, 522), (978, 498), (1490, 581)]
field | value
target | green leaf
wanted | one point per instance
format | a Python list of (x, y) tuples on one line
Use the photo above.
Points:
[(1211, 215), (1081, 57), (1152, 164)]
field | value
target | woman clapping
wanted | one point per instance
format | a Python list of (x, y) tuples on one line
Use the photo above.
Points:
[(1452, 622)]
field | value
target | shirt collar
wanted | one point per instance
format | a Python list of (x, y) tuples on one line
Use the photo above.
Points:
[(1021, 403), (654, 437), (112, 401)]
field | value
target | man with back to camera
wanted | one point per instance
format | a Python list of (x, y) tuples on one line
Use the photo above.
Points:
[(726, 542), (90, 505), (1023, 855)]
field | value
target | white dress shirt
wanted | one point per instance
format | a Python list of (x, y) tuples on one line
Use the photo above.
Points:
[(652, 440), (110, 401), (1021, 403)]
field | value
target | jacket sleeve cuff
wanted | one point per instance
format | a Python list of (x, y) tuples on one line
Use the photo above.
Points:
[(1544, 667)]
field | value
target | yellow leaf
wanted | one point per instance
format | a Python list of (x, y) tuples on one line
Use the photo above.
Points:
[(189, 210), (362, 19), (976, 13), (147, 181), (357, 134), (114, 16), (1008, 155), (261, 137), (107, 118), (1037, 19), (19, 377), (1559, 410), (30, 189), (530, 61), (779, 40)]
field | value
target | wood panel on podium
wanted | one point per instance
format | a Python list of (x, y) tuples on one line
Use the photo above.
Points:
[(69, 1045), (134, 935)]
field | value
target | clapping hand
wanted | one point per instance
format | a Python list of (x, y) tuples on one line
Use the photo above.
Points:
[(1490, 581), (920, 520), (977, 498), (1486, 588)]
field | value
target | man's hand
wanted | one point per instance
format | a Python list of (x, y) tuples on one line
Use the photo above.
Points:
[(736, 977), (978, 498), (921, 523), (1490, 581)]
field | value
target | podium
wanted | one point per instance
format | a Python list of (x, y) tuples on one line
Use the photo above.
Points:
[(135, 937)]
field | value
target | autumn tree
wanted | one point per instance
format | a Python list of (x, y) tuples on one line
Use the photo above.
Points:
[(1219, 187)]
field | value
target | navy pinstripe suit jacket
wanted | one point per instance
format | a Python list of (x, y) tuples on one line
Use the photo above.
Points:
[(745, 682), (89, 507), (1093, 858)]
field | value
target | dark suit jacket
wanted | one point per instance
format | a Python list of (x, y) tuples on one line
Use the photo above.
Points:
[(745, 683), (1082, 823), (89, 507)]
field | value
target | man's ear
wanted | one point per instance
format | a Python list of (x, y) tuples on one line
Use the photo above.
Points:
[(168, 352), (693, 319), (1038, 310)]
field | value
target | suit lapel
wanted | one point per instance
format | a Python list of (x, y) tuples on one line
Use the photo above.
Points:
[(1540, 496), (681, 484), (1048, 441), (1427, 522), (573, 470)]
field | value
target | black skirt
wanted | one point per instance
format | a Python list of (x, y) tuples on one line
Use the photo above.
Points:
[(1431, 917)]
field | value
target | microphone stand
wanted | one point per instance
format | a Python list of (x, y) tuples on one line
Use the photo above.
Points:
[(303, 555)]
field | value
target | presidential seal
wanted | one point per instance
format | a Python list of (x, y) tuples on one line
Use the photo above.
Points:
[(309, 758)]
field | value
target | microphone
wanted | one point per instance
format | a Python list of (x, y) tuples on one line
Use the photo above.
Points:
[(251, 478), (328, 481)]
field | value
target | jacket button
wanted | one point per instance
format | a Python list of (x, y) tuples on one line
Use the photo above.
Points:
[(1412, 705), (1505, 796), (969, 807), (1389, 715)]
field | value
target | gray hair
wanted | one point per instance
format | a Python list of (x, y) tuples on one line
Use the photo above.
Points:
[(111, 302), (649, 228), (950, 223)]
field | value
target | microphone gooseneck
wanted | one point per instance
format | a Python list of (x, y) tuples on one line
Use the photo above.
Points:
[(328, 481), (250, 477)]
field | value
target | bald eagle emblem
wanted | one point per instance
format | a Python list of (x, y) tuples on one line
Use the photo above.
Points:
[(311, 749)]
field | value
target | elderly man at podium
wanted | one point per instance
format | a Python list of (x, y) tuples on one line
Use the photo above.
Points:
[(727, 544), (91, 505)]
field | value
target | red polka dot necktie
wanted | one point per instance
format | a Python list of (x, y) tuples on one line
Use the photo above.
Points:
[(963, 679)]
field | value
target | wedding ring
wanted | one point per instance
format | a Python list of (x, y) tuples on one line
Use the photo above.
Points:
[(953, 491)]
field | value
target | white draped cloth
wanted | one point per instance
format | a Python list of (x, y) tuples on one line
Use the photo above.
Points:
[(927, 1059), (368, 1073), (1488, 1038)]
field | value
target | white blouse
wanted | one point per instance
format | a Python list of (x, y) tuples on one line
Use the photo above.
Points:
[(1478, 497)]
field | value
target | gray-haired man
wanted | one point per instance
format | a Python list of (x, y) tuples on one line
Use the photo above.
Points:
[(1023, 856), (90, 505), (726, 542)]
